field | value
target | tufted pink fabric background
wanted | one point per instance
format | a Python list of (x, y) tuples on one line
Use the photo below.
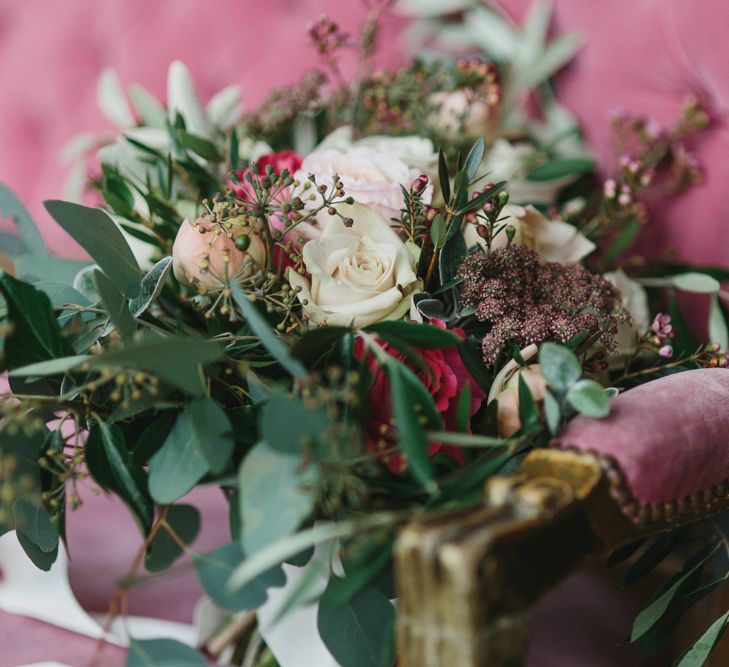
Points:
[(642, 56)]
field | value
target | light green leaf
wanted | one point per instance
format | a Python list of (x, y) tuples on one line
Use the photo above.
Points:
[(697, 655), (560, 367), (438, 231), (277, 492), (589, 398), (102, 239), (12, 208), (286, 423), (214, 433), (150, 109), (718, 332), (215, 568), (52, 367), (552, 412), (263, 330), (116, 304), (701, 283), (179, 464), (151, 286), (35, 268), (474, 158), (112, 101)]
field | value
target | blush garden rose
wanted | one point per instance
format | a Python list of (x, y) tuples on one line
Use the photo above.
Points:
[(205, 256), (357, 275)]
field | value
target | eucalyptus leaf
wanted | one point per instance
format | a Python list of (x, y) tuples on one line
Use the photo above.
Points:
[(718, 332), (552, 412), (52, 367), (164, 550), (277, 492), (32, 519), (11, 207), (560, 367), (286, 424), (116, 304), (701, 283), (354, 631), (43, 560), (162, 653), (213, 431), (151, 286), (589, 398), (179, 464), (215, 568), (93, 230)]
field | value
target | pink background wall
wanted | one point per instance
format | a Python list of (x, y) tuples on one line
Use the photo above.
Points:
[(643, 56)]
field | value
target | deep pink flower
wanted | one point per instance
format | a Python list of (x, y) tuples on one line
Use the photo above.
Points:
[(445, 378), (289, 160)]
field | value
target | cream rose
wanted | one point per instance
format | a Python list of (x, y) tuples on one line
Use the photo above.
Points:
[(358, 275), (205, 256), (635, 300), (370, 176), (552, 240), (505, 390)]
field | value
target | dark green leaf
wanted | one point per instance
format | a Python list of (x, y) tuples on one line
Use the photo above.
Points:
[(654, 555), (152, 438), (32, 519), (234, 150), (286, 424), (263, 330), (30, 237), (215, 568), (463, 411), (151, 286), (164, 550), (528, 410), (354, 631), (202, 147), (340, 590), (43, 560), (116, 304), (445, 184), (93, 230), (277, 492), (214, 433), (451, 258), (560, 168), (438, 231), (129, 482), (162, 653), (405, 396), (313, 344), (35, 334), (418, 335)]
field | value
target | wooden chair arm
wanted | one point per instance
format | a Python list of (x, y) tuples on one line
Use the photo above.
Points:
[(466, 579)]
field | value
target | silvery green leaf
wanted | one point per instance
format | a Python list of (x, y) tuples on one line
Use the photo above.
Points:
[(149, 108), (112, 101), (12, 208), (692, 281), (75, 182), (305, 134), (224, 109), (718, 332), (489, 31), (432, 8), (182, 98), (81, 144), (533, 33), (557, 54), (152, 284)]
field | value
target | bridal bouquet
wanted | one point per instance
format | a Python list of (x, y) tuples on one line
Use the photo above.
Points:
[(346, 307)]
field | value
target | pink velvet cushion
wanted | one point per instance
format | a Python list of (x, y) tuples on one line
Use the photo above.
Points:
[(670, 437)]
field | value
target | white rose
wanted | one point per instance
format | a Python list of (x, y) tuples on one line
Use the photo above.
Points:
[(635, 300), (552, 240), (358, 275), (509, 162), (371, 176), (505, 390)]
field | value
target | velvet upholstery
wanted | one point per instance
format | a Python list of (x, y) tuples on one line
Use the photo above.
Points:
[(670, 437)]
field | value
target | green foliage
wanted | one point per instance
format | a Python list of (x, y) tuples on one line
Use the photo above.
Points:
[(358, 632), (30, 238), (287, 424), (115, 303), (561, 168), (162, 653), (215, 568), (164, 549), (277, 492), (560, 367), (199, 442), (151, 286), (589, 398), (417, 335), (95, 232), (697, 654), (35, 334)]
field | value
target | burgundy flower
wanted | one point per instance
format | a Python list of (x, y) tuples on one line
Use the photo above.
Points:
[(445, 378)]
